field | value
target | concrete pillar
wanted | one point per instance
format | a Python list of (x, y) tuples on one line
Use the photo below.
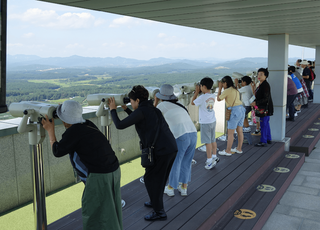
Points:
[(316, 88), (278, 72)]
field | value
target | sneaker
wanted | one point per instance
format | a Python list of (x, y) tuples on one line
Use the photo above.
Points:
[(183, 191), (210, 165), (216, 159), (298, 111), (246, 129), (223, 153), (295, 114), (193, 162), (168, 191), (256, 133), (236, 150)]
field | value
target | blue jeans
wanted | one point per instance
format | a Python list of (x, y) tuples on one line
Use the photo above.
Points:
[(265, 129), (236, 117), (181, 168)]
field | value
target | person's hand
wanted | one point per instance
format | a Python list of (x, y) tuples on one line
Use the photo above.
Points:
[(124, 107), (156, 101), (47, 125), (236, 81), (112, 103), (253, 104), (197, 89)]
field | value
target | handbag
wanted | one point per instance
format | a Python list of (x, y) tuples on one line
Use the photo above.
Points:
[(228, 111), (261, 111), (147, 154)]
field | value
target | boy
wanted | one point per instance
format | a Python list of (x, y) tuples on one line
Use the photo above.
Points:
[(207, 119)]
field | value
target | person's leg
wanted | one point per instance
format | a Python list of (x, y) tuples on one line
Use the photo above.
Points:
[(186, 164), (290, 106), (241, 113), (267, 119), (263, 138), (214, 149), (230, 140), (101, 201), (156, 177), (182, 143), (240, 138), (209, 150)]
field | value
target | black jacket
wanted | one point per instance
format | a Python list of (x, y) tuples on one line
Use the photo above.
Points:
[(145, 118), (263, 97)]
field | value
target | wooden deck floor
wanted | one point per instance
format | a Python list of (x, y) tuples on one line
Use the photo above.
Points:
[(210, 193)]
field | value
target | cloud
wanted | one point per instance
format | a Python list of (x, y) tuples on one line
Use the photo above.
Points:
[(14, 44), (74, 45), (28, 35), (162, 35), (129, 22), (49, 18)]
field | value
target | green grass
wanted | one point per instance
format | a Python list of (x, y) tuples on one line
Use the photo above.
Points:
[(68, 200)]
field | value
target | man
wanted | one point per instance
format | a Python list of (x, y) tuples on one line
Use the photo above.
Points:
[(306, 76)]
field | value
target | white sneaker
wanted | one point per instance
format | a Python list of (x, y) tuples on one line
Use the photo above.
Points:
[(210, 165), (168, 191), (295, 114), (236, 150), (183, 191), (223, 153), (216, 159)]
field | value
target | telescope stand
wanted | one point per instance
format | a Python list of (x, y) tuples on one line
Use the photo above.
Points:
[(36, 135)]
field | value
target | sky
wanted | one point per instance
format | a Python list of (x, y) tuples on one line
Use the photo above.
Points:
[(51, 30)]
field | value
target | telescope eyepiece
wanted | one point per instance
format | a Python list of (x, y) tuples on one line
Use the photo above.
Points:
[(126, 100)]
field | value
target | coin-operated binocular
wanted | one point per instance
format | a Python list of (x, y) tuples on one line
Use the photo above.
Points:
[(253, 75), (103, 111), (32, 112), (152, 91)]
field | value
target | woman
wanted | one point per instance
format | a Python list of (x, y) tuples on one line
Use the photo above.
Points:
[(264, 101), (245, 89), (147, 119), (94, 161), (233, 103), (185, 134)]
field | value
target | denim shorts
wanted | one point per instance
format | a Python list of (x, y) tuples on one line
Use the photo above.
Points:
[(208, 133), (237, 117)]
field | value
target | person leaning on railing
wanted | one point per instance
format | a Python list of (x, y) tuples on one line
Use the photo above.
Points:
[(147, 119), (233, 103), (96, 164)]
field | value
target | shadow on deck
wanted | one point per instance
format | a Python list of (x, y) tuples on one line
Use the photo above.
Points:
[(218, 198)]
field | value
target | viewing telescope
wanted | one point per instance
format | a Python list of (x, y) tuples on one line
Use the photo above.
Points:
[(152, 91), (96, 99), (35, 110)]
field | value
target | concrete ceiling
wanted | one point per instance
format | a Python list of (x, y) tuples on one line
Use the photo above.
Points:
[(252, 18)]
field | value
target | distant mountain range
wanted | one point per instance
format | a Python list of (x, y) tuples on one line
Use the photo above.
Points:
[(32, 62)]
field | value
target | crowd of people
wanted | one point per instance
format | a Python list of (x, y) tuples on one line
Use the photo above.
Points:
[(166, 129)]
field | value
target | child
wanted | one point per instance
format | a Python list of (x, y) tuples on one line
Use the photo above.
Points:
[(207, 119)]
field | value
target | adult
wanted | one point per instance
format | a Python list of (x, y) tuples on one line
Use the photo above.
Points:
[(147, 119), (245, 89), (302, 99), (185, 133), (306, 76), (298, 66), (292, 93), (95, 162), (264, 101), (233, 103)]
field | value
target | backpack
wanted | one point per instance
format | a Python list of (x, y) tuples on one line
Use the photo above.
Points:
[(312, 75)]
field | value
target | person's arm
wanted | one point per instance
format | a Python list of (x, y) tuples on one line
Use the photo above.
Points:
[(306, 73), (265, 94), (135, 117), (49, 126), (196, 93), (219, 92), (156, 101), (236, 82)]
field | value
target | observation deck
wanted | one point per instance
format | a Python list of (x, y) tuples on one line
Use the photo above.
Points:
[(239, 193)]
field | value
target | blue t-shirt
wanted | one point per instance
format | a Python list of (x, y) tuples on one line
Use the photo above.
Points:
[(296, 81)]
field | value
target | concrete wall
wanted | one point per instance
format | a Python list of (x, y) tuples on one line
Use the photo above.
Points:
[(16, 164)]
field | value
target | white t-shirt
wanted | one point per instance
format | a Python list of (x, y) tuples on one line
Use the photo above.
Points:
[(246, 94), (177, 118), (206, 112)]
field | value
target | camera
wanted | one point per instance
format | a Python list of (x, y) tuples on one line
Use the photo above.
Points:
[(35, 110), (96, 99)]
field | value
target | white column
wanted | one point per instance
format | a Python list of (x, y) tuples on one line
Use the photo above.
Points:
[(278, 72), (316, 88)]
